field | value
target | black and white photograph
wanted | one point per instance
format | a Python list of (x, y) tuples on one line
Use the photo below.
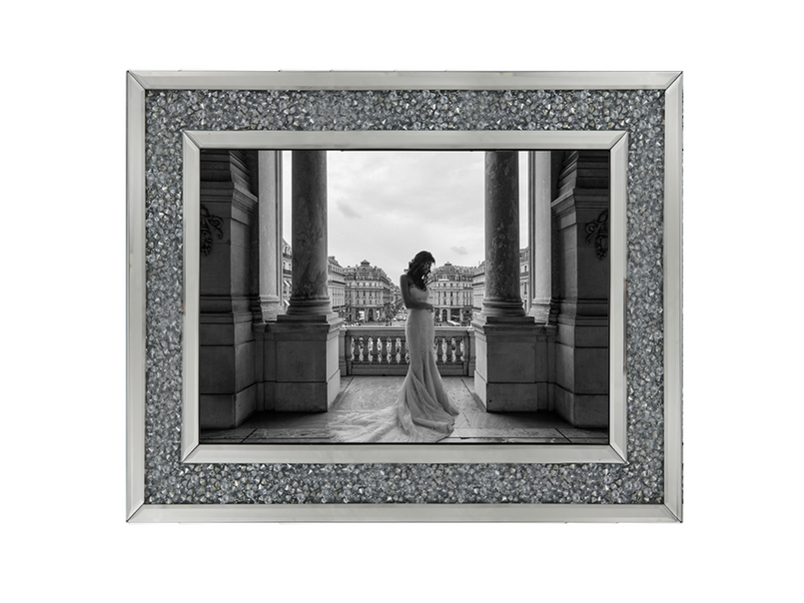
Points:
[(457, 297)]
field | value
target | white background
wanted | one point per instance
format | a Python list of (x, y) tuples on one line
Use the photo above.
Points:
[(63, 306)]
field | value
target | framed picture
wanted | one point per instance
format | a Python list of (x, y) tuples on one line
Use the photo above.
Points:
[(404, 296)]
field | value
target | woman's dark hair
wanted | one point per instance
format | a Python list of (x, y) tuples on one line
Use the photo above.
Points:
[(419, 268)]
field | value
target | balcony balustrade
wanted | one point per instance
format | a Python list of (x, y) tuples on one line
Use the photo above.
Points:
[(383, 351)]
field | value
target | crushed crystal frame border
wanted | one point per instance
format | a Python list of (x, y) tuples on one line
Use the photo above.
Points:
[(670, 83)]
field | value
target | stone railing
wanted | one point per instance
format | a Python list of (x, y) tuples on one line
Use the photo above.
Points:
[(383, 351)]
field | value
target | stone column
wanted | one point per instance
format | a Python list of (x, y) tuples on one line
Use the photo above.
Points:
[(310, 295), (511, 369), (540, 226), (306, 363), (502, 297)]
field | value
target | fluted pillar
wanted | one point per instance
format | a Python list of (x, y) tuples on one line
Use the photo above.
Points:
[(309, 295), (502, 298), (540, 228), (268, 239)]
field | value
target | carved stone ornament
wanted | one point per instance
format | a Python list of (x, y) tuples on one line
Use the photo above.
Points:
[(209, 223), (599, 231)]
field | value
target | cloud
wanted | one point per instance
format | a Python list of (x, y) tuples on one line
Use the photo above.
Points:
[(347, 210), (385, 206)]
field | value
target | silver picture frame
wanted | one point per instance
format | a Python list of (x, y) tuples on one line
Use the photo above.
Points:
[(193, 141)]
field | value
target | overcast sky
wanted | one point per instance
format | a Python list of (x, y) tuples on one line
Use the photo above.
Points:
[(386, 206)]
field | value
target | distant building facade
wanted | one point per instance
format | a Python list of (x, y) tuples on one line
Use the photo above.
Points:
[(452, 293), (356, 293), (479, 283), (336, 284), (369, 294), (524, 278), (478, 288), (287, 274)]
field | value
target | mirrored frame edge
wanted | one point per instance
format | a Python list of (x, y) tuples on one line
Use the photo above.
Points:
[(407, 512), (673, 298), (135, 295), (406, 80), (137, 511)]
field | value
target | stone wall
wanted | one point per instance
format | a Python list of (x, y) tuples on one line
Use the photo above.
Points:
[(227, 383), (582, 265)]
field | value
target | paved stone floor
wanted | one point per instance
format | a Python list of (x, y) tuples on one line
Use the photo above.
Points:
[(473, 425)]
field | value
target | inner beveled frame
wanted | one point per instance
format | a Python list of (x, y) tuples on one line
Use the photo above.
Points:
[(614, 452)]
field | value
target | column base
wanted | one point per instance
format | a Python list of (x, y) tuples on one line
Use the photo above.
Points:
[(582, 410), (310, 307), (308, 376), (513, 364), (270, 306), (582, 370), (226, 362), (540, 311), (227, 411), (503, 309), (511, 397)]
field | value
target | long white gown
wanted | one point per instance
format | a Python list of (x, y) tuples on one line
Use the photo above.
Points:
[(422, 411)]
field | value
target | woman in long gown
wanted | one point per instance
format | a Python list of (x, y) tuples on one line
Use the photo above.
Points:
[(422, 411)]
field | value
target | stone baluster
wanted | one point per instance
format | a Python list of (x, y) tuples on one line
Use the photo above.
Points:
[(384, 341)]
